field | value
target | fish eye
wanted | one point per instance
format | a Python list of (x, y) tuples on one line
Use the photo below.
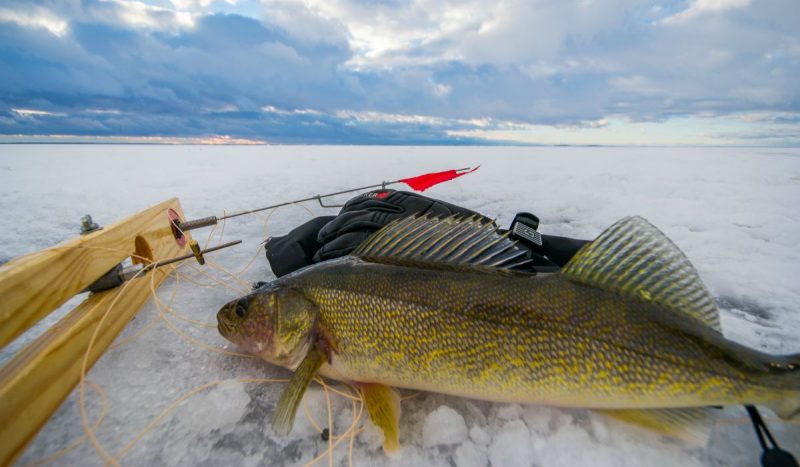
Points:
[(241, 307)]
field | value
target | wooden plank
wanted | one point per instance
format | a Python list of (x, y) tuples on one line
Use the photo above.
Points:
[(35, 382), (34, 285), (38, 379)]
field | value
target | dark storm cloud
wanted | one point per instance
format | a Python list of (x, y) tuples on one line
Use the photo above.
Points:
[(132, 68)]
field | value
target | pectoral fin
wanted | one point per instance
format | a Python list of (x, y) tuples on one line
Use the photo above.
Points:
[(689, 424), (383, 405), (292, 394)]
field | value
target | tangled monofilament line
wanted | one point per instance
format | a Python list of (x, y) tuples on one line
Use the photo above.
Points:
[(199, 277)]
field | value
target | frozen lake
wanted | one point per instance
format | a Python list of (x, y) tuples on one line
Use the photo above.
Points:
[(732, 211)]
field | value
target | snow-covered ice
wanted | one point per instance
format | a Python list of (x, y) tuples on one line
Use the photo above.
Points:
[(733, 212)]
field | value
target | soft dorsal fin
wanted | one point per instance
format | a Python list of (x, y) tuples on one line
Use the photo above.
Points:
[(635, 258), (451, 243)]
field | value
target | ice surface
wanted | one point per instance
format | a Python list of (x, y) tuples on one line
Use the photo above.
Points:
[(733, 211), (216, 408)]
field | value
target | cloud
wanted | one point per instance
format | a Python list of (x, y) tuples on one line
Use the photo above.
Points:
[(35, 18), (37, 113), (700, 7), (140, 15), (270, 124), (358, 68)]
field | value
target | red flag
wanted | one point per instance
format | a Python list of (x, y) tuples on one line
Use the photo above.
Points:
[(425, 181)]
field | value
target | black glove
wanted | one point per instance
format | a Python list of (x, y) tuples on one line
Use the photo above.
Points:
[(363, 215), (295, 249), (330, 237)]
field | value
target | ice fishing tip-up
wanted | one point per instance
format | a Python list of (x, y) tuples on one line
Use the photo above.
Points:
[(419, 183)]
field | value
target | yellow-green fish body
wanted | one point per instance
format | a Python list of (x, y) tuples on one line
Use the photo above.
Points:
[(432, 304), (534, 339)]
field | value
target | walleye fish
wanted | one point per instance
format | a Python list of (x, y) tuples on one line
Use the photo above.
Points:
[(434, 304)]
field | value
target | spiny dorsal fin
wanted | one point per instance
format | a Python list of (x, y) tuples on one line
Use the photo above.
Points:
[(635, 258), (451, 242)]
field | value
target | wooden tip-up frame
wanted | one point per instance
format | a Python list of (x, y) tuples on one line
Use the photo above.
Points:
[(41, 375)]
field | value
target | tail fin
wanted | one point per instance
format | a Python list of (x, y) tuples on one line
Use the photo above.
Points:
[(788, 406)]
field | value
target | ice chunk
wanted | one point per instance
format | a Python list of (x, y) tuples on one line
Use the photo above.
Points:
[(444, 426), (371, 437), (469, 455), (509, 412), (479, 436), (512, 446)]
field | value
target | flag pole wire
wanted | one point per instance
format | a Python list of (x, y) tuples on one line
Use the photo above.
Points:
[(212, 220)]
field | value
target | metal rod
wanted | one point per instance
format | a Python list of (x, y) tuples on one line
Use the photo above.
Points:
[(119, 274), (196, 223), (211, 220), (158, 264), (287, 203)]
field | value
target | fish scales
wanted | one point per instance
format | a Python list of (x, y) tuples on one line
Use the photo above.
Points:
[(517, 338), (434, 304)]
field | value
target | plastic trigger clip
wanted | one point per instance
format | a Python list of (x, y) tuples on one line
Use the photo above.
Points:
[(198, 254)]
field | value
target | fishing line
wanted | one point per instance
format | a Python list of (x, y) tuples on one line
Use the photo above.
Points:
[(265, 229), (160, 307), (222, 228), (191, 278), (155, 421), (165, 309), (62, 452), (351, 433), (319, 380), (219, 282), (150, 325), (330, 424), (219, 268), (84, 364), (89, 431), (411, 396)]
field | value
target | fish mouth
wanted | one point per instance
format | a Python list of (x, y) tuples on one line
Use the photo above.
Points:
[(223, 326)]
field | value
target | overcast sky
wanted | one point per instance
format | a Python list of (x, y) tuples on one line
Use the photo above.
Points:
[(694, 72)]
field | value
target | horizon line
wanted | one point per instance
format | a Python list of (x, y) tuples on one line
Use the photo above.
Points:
[(224, 140)]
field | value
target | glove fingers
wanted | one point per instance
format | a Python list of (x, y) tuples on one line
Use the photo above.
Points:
[(356, 220), (416, 203), (362, 203), (341, 245)]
